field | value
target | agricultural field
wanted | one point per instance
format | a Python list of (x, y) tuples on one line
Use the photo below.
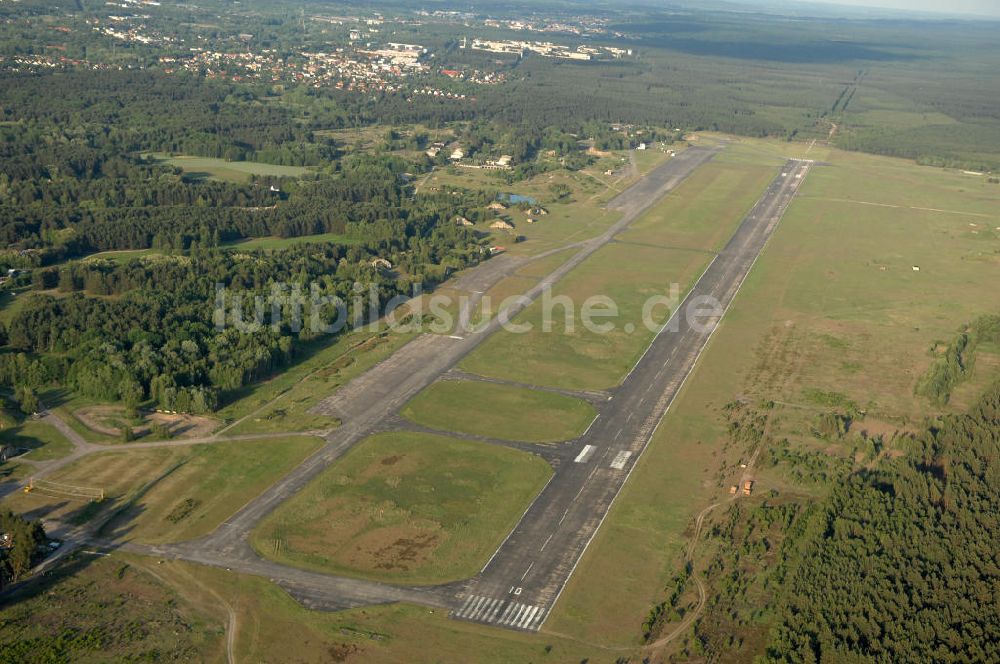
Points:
[(500, 411), (405, 507), (230, 171), (167, 494), (833, 318)]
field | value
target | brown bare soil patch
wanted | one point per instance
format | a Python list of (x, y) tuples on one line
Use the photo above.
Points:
[(108, 421), (397, 548)]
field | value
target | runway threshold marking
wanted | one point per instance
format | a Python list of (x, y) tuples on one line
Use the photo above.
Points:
[(621, 459), (585, 454), (504, 612)]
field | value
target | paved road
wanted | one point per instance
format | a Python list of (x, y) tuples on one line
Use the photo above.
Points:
[(377, 400), (519, 585)]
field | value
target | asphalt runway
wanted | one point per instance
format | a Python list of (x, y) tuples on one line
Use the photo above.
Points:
[(521, 582), (519, 585)]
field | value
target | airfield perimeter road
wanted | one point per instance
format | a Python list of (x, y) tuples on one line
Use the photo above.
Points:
[(524, 578)]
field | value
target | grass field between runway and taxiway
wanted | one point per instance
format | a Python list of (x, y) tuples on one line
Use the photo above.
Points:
[(671, 243), (282, 403), (704, 211), (500, 411), (405, 507), (570, 356)]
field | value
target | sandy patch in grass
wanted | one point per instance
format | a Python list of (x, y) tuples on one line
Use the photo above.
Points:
[(107, 421)]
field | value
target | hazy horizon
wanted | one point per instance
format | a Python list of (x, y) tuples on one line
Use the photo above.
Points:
[(956, 7)]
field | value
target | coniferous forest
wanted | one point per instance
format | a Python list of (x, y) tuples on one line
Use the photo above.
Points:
[(900, 564)]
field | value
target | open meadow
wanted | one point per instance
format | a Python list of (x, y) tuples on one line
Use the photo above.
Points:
[(500, 411), (11, 303), (230, 171), (42, 441), (195, 607), (118, 608), (568, 355), (405, 507), (273, 243), (165, 494)]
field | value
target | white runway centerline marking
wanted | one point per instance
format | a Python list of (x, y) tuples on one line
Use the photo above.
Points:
[(585, 454), (621, 459)]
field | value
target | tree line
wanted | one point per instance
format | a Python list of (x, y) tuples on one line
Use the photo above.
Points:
[(900, 562)]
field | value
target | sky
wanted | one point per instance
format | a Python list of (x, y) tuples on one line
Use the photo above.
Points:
[(983, 7)]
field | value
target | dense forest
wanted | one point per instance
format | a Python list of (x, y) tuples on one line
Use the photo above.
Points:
[(78, 175), (895, 561), (900, 564), (129, 111), (149, 329), (146, 329)]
